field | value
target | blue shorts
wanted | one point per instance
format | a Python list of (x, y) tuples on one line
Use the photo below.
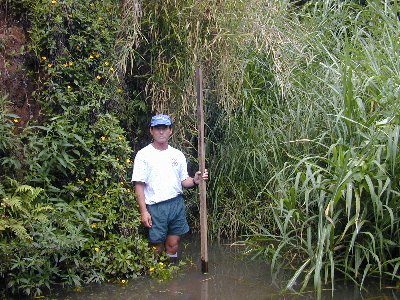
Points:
[(168, 218)]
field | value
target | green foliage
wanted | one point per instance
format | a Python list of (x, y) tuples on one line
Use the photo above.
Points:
[(327, 158), (19, 208), (76, 154), (9, 144)]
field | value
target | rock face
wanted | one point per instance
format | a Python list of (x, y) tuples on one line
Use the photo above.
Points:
[(15, 83)]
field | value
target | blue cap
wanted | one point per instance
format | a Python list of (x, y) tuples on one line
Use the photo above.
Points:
[(160, 120)]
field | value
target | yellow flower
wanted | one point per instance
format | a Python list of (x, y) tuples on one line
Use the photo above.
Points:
[(161, 263), (103, 138), (151, 269), (86, 179), (97, 249), (69, 87), (128, 161), (93, 225), (98, 77), (123, 281), (49, 65), (70, 63), (97, 55), (44, 57), (120, 137), (121, 183), (15, 120), (119, 90), (106, 63), (53, 1), (111, 69), (65, 65), (91, 56)]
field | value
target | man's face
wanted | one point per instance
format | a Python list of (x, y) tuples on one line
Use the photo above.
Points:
[(161, 133)]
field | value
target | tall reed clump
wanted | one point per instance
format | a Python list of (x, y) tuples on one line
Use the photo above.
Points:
[(333, 195), (159, 53)]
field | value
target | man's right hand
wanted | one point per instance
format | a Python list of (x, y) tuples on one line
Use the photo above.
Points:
[(146, 219)]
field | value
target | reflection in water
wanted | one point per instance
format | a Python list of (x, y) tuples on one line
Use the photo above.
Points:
[(204, 290), (231, 276)]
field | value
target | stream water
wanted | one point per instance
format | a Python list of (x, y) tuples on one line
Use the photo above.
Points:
[(231, 276)]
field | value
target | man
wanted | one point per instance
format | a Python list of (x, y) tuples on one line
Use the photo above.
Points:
[(160, 174)]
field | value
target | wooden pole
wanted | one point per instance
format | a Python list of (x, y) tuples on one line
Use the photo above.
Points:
[(202, 165)]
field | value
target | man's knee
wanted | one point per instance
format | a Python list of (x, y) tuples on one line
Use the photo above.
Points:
[(172, 244)]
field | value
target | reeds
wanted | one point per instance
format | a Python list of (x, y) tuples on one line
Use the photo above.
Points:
[(303, 127)]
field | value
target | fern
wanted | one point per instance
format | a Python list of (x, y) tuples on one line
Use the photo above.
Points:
[(17, 208), (16, 227)]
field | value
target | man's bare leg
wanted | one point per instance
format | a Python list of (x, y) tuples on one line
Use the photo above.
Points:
[(171, 247)]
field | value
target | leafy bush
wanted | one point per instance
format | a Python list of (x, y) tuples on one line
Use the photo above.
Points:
[(84, 226)]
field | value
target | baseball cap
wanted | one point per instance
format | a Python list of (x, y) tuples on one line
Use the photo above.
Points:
[(160, 120)]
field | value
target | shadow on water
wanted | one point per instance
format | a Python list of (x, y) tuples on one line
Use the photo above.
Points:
[(231, 276)]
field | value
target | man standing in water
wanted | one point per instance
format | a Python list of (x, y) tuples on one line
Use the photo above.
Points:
[(160, 174)]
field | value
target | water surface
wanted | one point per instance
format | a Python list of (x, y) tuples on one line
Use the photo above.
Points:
[(231, 276)]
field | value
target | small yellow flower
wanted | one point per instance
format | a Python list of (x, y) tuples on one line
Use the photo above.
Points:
[(117, 158), (65, 65), (96, 249), (161, 263), (123, 281), (106, 63), (93, 225), (86, 179), (98, 77), (121, 183), (151, 269), (111, 69), (103, 138), (15, 120), (53, 1), (69, 87), (97, 55), (120, 137), (91, 56), (44, 57), (70, 63), (128, 161), (119, 90), (49, 65)]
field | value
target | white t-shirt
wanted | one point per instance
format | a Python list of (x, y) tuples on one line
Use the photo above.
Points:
[(162, 172)]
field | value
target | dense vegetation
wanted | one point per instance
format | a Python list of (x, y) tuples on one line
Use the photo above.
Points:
[(302, 136)]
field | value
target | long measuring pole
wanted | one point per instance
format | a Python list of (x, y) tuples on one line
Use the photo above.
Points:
[(202, 165)]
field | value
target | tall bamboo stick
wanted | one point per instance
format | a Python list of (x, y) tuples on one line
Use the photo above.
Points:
[(202, 165)]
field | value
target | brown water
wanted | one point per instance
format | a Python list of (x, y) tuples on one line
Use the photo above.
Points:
[(231, 276)]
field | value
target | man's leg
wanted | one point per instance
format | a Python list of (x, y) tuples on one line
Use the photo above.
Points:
[(171, 247)]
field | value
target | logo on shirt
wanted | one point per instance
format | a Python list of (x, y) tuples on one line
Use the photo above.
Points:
[(174, 162)]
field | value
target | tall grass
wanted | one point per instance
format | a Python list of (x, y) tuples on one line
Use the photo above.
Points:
[(302, 113), (315, 155)]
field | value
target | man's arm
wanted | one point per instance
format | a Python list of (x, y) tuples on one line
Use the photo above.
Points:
[(193, 181), (145, 216)]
